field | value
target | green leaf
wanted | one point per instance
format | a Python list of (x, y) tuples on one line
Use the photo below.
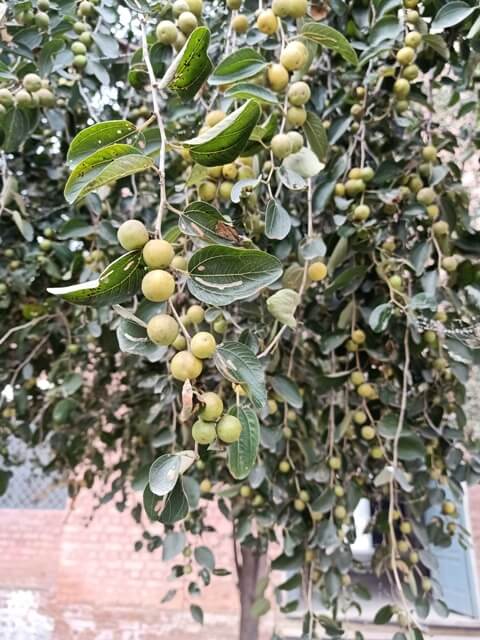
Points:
[(15, 126), (23, 226), (150, 501), (191, 67), (197, 613), (203, 220), (277, 221), (119, 282), (176, 505), (97, 137), (282, 305), (450, 14), (164, 474), (239, 364), (330, 39), (223, 143), (106, 165), (260, 607), (387, 28), (380, 317), (303, 163), (239, 65), (438, 44), (221, 275), (205, 558), (4, 479), (383, 615), (261, 136), (242, 454), (287, 390), (325, 501), (410, 447), (173, 544), (316, 135), (246, 90)]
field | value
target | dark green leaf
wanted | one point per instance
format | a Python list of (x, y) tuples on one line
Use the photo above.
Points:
[(239, 65), (197, 613), (205, 558), (242, 454), (384, 615), (191, 67), (97, 137), (173, 544), (176, 505), (316, 135), (246, 90), (204, 221), (287, 390), (221, 275), (119, 282), (239, 364), (451, 14), (330, 39), (410, 447), (380, 317)]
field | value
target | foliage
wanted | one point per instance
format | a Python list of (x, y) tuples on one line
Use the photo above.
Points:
[(312, 196)]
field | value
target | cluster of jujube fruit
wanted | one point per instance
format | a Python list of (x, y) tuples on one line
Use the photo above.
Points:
[(163, 329)]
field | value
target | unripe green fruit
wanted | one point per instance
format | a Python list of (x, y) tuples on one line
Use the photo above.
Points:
[(277, 77), (281, 8), (45, 245), (429, 153), (396, 283), (23, 99), (368, 432), (359, 336), (42, 20), (281, 145), (245, 491), (296, 140), (184, 365), (304, 495), (415, 184), (195, 314), (361, 213), (412, 16), (450, 264), (413, 39), (204, 432), (203, 345), (179, 262), (157, 254), (32, 82), (298, 8), (132, 234), (80, 62), (78, 48), (179, 343), (339, 189), (207, 191), (234, 5), (257, 501), (367, 174), (225, 190), (205, 486), (441, 228), (299, 505), (162, 329), (213, 406), (317, 271), (6, 97), (401, 88), (229, 429), (406, 55), (335, 463), (240, 23), (43, 5), (299, 93), (403, 546), (367, 391), (158, 285), (267, 22), (187, 22), (357, 378), (411, 72), (294, 56), (426, 196), (410, 4), (426, 585), (284, 466), (340, 512), (430, 337), (86, 38), (220, 325), (229, 171), (406, 527), (355, 173), (45, 98), (85, 8), (296, 116), (354, 187), (80, 27), (166, 32), (376, 453), (356, 111), (402, 105), (195, 6), (359, 417), (179, 6), (413, 557), (178, 45)]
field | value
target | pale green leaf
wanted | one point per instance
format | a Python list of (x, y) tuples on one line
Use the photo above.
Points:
[(203, 220), (239, 65), (330, 39), (282, 305)]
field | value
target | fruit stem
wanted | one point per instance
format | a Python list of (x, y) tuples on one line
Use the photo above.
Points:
[(161, 128)]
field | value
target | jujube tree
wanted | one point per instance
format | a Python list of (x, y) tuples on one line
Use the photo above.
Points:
[(238, 266)]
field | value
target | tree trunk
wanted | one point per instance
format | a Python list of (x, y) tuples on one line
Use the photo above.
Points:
[(249, 571)]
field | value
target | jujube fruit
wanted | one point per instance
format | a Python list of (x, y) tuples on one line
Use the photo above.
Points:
[(184, 365)]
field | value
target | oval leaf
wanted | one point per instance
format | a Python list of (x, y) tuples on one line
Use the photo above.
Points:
[(277, 221), (316, 135), (245, 90), (221, 275), (239, 65), (303, 163), (243, 453), (223, 143), (380, 317), (164, 474), (282, 305), (119, 282), (96, 137), (330, 39), (239, 364), (451, 14), (202, 220), (176, 505)]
